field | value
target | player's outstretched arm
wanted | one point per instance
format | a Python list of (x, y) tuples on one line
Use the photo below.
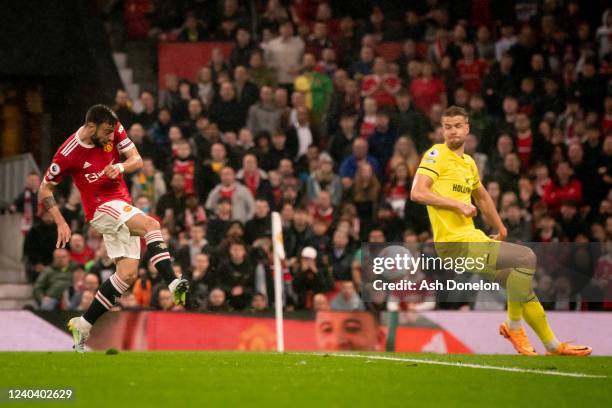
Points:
[(484, 201), (45, 196), (422, 194)]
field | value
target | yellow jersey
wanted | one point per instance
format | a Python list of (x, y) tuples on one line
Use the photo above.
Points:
[(453, 177)]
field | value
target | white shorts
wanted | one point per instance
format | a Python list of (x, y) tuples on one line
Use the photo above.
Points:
[(109, 219)]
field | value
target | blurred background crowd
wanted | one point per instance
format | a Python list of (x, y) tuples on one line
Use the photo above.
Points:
[(310, 117)]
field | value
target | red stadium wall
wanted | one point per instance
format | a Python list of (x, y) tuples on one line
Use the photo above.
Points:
[(186, 59)]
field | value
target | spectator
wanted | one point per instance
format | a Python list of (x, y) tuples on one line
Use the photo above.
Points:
[(243, 205), (383, 140), (470, 69), (171, 204), (381, 84), (148, 182), (284, 54), (226, 112), (193, 30), (320, 303), (80, 253), (236, 276), (91, 283), (123, 108), (506, 41), (349, 166), (303, 134), (39, 245), (216, 301), (427, 90), (309, 280), (165, 301), (411, 122), (260, 73), (316, 87), (563, 188), (205, 85), (254, 178), (85, 301), (243, 47), (519, 229), (365, 192), (264, 115), (363, 66), (259, 304), (260, 226), (247, 92), (149, 113), (324, 179), (196, 244), (347, 300), (340, 256), (202, 281), (26, 202), (50, 285), (341, 141)]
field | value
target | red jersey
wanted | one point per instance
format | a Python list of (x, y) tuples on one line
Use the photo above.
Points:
[(525, 149), (185, 167), (85, 163), (471, 74), (426, 93)]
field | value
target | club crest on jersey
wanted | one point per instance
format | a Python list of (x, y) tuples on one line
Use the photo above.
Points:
[(433, 152), (54, 169), (108, 147), (127, 208)]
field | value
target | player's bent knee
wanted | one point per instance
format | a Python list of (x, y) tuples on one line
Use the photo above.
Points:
[(152, 224), (528, 258)]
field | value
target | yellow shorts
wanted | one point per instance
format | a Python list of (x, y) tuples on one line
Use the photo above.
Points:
[(474, 249)]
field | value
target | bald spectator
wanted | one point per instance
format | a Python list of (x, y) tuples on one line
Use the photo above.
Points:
[(243, 204), (348, 168), (226, 111), (264, 115)]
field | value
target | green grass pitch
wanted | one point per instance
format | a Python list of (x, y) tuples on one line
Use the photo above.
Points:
[(234, 379)]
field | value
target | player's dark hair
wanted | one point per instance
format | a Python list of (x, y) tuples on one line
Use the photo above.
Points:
[(455, 111), (100, 114)]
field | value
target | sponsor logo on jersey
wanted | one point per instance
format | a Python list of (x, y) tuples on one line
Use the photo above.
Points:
[(120, 129), (433, 152), (108, 147), (86, 165), (461, 189), (92, 177), (127, 208)]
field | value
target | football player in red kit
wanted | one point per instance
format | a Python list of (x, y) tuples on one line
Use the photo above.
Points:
[(92, 156)]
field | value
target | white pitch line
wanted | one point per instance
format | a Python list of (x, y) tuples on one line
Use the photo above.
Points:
[(468, 365)]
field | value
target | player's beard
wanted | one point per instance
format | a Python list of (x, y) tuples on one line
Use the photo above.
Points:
[(97, 142), (454, 145)]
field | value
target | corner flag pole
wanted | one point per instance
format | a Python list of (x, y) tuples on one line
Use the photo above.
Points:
[(279, 254)]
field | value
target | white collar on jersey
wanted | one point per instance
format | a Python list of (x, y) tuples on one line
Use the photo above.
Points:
[(85, 145)]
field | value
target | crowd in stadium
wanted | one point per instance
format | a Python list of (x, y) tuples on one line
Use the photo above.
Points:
[(311, 121)]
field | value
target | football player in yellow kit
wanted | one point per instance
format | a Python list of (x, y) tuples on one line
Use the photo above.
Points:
[(446, 182)]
